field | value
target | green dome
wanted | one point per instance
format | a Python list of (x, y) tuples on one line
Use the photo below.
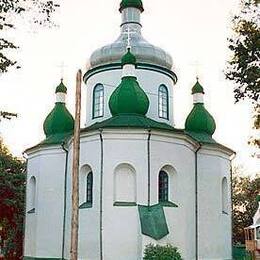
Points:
[(197, 88), (131, 3), (128, 58), (59, 121), (128, 98), (61, 88), (200, 120)]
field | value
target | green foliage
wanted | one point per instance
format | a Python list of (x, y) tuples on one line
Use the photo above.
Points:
[(12, 203), (157, 252), (244, 66), (9, 11), (245, 191)]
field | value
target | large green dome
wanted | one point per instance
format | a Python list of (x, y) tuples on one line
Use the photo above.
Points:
[(200, 120), (128, 98), (131, 3), (59, 121)]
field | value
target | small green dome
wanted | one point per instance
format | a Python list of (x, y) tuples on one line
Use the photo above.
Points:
[(128, 58), (200, 120), (128, 98), (59, 121), (131, 3), (61, 88), (197, 88)]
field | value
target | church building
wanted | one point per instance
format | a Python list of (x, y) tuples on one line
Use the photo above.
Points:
[(141, 180)]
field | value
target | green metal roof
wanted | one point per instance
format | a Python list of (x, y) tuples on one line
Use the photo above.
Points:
[(197, 88), (131, 3), (128, 98), (200, 121), (128, 58), (61, 88), (131, 121), (59, 121)]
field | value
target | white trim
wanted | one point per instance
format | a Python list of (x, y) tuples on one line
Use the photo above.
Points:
[(128, 70), (198, 98), (60, 97)]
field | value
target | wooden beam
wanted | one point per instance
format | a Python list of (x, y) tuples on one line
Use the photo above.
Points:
[(75, 172)]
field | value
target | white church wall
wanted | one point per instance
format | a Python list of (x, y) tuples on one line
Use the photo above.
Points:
[(30, 236), (122, 232), (148, 80), (176, 157), (214, 224), (48, 166), (88, 217)]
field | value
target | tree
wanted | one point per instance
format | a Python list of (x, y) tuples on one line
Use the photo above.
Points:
[(245, 191), (12, 203), (11, 9), (244, 66)]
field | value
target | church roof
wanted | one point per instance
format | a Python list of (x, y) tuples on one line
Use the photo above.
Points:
[(61, 88), (131, 3), (128, 58), (59, 120), (200, 122), (131, 121)]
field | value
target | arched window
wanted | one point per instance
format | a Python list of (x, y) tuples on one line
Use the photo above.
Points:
[(89, 188), (124, 185), (224, 196), (32, 195), (98, 101), (163, 102), (163, 186), (86, 187)]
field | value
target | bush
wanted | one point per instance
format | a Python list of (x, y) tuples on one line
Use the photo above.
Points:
[(157, 252)]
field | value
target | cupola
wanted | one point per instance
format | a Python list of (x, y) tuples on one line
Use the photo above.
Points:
[(199, 120), (59, 120), (128, 97), (131, 3)]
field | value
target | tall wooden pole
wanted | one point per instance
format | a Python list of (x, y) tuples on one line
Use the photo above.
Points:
[(75, 173)]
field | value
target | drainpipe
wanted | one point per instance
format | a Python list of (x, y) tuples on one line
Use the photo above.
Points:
[(149, 166), (196, 206), (101, 192), (65, 198)]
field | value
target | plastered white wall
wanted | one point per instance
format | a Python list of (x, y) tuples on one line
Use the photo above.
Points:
[(214, 225), (43, 236)]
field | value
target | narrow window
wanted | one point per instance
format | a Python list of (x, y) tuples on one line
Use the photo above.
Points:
[(163, 102), (89, 190), (32, 195), (98, 101), (163, 186), (224, 196)]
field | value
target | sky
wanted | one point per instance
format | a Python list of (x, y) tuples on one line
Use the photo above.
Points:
[(194, 32)]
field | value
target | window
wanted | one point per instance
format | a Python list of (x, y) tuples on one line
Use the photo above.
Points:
[(86, 179), (89, 190), (224, 196), (32, 195), (98, 101), (163, 102), (163, 186)]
